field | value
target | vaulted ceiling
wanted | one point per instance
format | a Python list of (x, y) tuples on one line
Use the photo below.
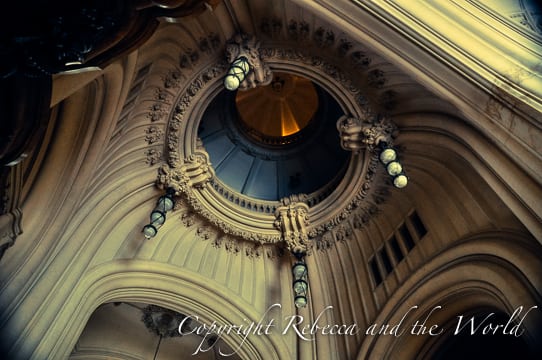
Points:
[(91, 184)]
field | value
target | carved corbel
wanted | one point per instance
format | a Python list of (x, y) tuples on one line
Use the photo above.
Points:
[(357, 135), (292, 221), (194, 173), (197, 168), (247, 46)]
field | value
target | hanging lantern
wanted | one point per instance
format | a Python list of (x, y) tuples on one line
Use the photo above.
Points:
[(400, 181), (158, 218), (164, 204), (388, 155), (149, 231), (394, 168), (389, 158), (300, 285), (237, 73)]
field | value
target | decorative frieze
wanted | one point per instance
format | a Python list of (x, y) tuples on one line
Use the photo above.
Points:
[(344, 47), (172, 80), (376, 78), (182, 107), (325, 241), (343, 232), (188, 218), (231, 244), (189, 171), (298, 31), (360, 59), (271, 27)]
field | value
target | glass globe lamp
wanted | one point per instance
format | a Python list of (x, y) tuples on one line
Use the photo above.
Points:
[(157, 218), (300, 287), (388, 155), (394, 168), (400, 181), (300, 301), (149, 231), (231, 82), (165, 203), (236, 73), (299, 270)]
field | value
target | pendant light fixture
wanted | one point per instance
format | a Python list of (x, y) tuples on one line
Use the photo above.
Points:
[(300, 284), (164, 204), (237, 73), (389, 158)]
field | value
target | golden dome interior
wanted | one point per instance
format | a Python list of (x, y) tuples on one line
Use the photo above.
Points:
[(280, 109)]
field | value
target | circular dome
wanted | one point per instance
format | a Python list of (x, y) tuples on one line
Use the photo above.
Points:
[(238, 182), (269, 154), (280, 109)]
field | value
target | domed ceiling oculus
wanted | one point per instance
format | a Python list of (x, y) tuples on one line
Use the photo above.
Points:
[(280, 109), (274, 141), (229, 190)]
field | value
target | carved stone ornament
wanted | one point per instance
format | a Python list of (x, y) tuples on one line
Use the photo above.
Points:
[(357, 135), (154, 134), (292, 220), (247, 46), (193, 173), (188, 170)]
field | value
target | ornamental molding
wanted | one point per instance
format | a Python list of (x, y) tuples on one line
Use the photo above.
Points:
[(183, 106), (192, 174), (187, 168), (364, 94), (358, 200), (153, 134)]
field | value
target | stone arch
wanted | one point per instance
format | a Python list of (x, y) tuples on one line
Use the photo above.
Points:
[(129, 280), (504, 277)]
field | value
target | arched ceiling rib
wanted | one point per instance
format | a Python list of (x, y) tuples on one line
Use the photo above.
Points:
[(106, 223), (283, 23)]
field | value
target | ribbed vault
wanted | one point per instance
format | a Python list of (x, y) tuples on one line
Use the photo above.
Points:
[(82, 246)]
